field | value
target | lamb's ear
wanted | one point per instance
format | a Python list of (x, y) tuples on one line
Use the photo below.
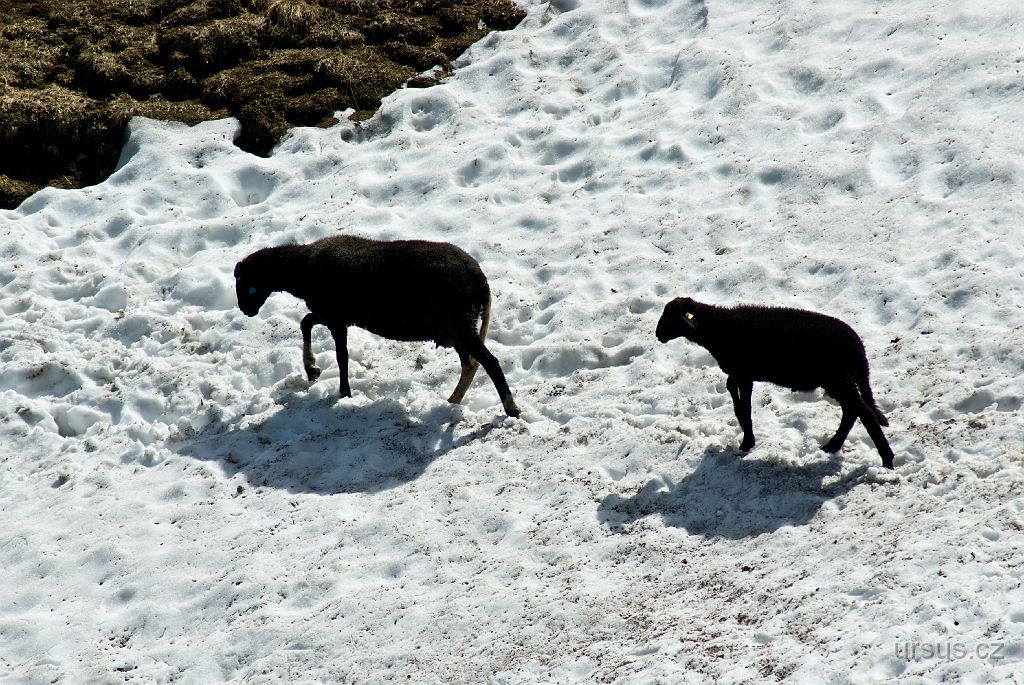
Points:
[(689, 320)]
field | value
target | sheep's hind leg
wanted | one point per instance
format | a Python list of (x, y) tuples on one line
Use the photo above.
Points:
[(469, 367), (308, 360), (476, 349), (469, 363), (741, 389)]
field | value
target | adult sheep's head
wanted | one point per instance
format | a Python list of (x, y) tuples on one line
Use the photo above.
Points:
[(249, 289), (678, 320)]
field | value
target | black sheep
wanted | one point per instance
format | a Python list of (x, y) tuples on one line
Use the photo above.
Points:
[(793, 348), (409, 290)]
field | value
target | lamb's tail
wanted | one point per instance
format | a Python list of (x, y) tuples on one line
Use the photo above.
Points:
[(882, 421), (864, 384)]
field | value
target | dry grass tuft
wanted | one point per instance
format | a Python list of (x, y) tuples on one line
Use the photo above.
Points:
[(292, 15)]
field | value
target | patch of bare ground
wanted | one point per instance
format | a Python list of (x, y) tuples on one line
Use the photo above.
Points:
[(74, 73)]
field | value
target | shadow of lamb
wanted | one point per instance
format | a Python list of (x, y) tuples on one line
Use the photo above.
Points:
[(729, 497)]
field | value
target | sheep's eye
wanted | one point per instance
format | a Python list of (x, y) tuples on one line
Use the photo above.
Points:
[(252, 291)]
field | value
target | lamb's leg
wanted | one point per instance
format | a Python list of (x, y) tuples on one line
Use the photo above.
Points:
[(476, 349), (845, 424), (870, 421), (854, 407), (340, 335), (469, 367), (741, 389), (849, 400), (308, 360)]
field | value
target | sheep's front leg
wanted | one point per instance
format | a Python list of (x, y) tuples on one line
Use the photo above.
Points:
[(308, 360), (741, 389), (340, 334)]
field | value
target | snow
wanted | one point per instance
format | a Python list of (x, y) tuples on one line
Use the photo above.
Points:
[(180, 506)]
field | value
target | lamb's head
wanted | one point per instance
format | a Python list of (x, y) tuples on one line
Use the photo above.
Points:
[(249, 288), (679, 319)]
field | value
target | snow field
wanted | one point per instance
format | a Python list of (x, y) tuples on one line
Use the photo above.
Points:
[(181, 506)]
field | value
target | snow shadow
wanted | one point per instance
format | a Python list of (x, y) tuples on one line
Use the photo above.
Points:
[(312, 445), (731, 496)]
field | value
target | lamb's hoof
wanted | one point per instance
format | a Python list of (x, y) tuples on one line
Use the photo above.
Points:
[(831, 448), (312, 373), (887, 463), (746, 446), (344, 393)]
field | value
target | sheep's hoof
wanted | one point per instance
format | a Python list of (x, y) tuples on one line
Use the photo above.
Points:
[(747, 445), (312, 373), (831, 447), (887, 463), (345, 392), (510, 407)]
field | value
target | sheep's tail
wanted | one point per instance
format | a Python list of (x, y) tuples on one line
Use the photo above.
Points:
[(864, 385), (485, 317)]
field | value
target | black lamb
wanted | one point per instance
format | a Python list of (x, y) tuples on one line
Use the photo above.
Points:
[(410, 290), (793, 348)]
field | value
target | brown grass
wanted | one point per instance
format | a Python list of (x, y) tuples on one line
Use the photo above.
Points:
[(72, 74)]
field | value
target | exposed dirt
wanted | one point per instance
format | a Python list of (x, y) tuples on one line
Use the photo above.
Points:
[(73, 73)]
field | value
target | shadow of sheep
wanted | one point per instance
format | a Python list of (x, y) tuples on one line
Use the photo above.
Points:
[(309, 446)]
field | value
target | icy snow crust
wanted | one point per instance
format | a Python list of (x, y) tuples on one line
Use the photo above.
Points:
[(180, 506)]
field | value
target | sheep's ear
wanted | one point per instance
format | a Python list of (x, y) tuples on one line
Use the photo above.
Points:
[(690, 320)]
